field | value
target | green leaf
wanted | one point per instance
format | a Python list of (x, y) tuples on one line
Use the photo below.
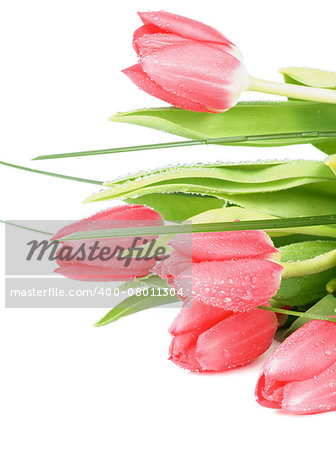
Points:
[(278, 188), (315, 78), (217, 179), (178, 206), (327, 147), (246, 118), (325, 307), (234, 213), (309, 77), (145, 300), (308, 266)]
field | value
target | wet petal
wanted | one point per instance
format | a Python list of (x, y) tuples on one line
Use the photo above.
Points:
[(182, 26), (146, 44), (144, 82), (94, 273), (316, 395), (305, 353), (145, 30), (236, 341), (197, 317), (141, 215), (182, 351), (204, 74), (224, 245), (233, 285)]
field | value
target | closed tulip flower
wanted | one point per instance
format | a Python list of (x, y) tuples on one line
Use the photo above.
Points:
[(233, 270), (193, 66), (207, 338), (186, 63), (300, 376), (102, 265)]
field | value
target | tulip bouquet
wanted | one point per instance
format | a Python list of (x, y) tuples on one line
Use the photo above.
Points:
[(262, 249)]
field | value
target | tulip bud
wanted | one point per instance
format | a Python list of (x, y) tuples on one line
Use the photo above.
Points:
[(299, 377), (186, 63), (207, 338), (232, 269), (101, 267)]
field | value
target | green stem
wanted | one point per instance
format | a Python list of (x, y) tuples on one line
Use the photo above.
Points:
[(293, 91)]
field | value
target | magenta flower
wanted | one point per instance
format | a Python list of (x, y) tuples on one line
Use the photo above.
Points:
[(207, 338), (300, 376), (186, 63), (232, 270), (101, 266)]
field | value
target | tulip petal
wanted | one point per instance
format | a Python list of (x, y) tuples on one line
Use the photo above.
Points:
[(183, 26), (316, 395), (143, 81), (199, 72), (94, 273), (224, 245), (173, 266), (147, 44), (98, 259), (238, 285), (197, 316), (269, 392), (236, 341), (182, 351), (304, 354), (142, 215), (145, 30)]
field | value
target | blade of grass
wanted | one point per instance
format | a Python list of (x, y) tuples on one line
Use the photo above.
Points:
[(263, 224), (192, 142), (299, 314), (51, 174), (25, 228)]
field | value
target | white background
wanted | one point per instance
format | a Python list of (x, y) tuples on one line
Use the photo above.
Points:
[(65, 384)]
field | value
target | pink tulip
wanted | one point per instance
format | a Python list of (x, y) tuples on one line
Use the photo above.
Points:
[(207, 338), (300, 376), (186, 63), (232, 270), (101, 268)]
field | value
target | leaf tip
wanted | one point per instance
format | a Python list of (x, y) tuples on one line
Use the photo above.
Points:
[(331, 162), (117, 117)]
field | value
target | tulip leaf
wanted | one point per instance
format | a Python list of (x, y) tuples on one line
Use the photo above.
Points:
[(308, 266), (246, 118), (153, 296), (309, 77), (324, 307), (235, 213), (305, 76), (178, 206), (278, 188)]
